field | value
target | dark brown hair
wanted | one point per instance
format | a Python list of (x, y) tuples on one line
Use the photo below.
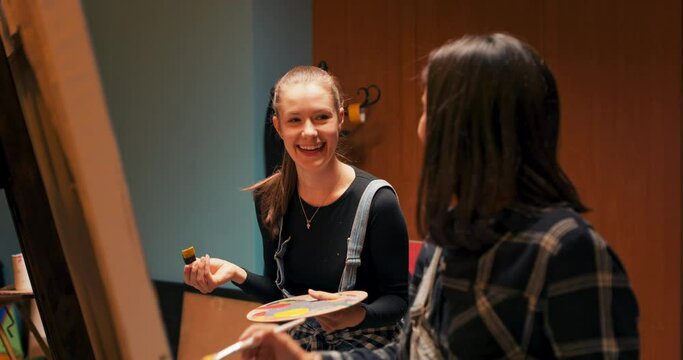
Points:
[(491, 140), (273, 193)]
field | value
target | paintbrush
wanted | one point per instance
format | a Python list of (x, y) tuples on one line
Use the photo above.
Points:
[(250, 342)]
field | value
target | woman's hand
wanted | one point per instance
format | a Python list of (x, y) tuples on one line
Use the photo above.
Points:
[(338, 320), (206, 274), (271, 345)]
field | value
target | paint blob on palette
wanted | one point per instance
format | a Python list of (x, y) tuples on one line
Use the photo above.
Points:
[(304, 306)]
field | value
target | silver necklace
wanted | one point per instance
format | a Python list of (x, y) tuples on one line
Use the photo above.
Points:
[(308, 221)]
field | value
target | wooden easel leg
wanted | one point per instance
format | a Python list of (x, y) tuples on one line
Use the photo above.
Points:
[(26, 315)]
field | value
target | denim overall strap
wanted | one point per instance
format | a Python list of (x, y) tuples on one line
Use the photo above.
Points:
[(424, 291), (310, 334), (423, 343), (355, 241), (279, 261)]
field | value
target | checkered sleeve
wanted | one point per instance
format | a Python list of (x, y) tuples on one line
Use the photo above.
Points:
[(591, 310)]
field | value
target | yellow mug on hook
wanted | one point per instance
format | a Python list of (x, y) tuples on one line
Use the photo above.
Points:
[(356, 114)]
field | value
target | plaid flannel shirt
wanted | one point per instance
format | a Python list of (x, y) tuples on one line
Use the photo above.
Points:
[(551, 289)]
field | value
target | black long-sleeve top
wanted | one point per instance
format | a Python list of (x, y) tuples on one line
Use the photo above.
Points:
[(315, 257)]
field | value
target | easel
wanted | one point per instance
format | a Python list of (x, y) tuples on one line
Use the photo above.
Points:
[(66, 190), (22, 299)]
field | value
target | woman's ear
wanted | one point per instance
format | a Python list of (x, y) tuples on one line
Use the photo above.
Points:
[(276, 125), (341, 117)]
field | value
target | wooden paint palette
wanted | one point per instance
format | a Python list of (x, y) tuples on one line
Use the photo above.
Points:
[(304, 306)]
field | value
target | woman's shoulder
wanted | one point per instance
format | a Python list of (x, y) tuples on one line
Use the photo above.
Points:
[(363, 177), (544, 234), (557, 241), (566, 234), (580, 255), (563, 223), (384, 199), (549, 227)]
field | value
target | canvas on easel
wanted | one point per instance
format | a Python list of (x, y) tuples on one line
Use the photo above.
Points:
[(60, 168)]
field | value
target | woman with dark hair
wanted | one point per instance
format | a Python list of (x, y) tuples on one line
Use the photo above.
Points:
[(308, 213), (509, 268)]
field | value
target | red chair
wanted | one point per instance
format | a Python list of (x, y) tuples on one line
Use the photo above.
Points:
[(414, 247)]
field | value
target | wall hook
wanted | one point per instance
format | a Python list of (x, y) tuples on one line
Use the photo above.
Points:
[(356, 111), (366, 90)]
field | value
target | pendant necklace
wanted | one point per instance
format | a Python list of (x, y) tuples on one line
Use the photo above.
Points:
[(308, 221)]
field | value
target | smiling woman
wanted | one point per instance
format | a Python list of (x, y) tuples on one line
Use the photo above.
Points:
[(310, 125), (320, 219)]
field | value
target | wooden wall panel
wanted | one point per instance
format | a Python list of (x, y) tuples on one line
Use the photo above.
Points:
[(373, 42), (618, 65), (439, 21)]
